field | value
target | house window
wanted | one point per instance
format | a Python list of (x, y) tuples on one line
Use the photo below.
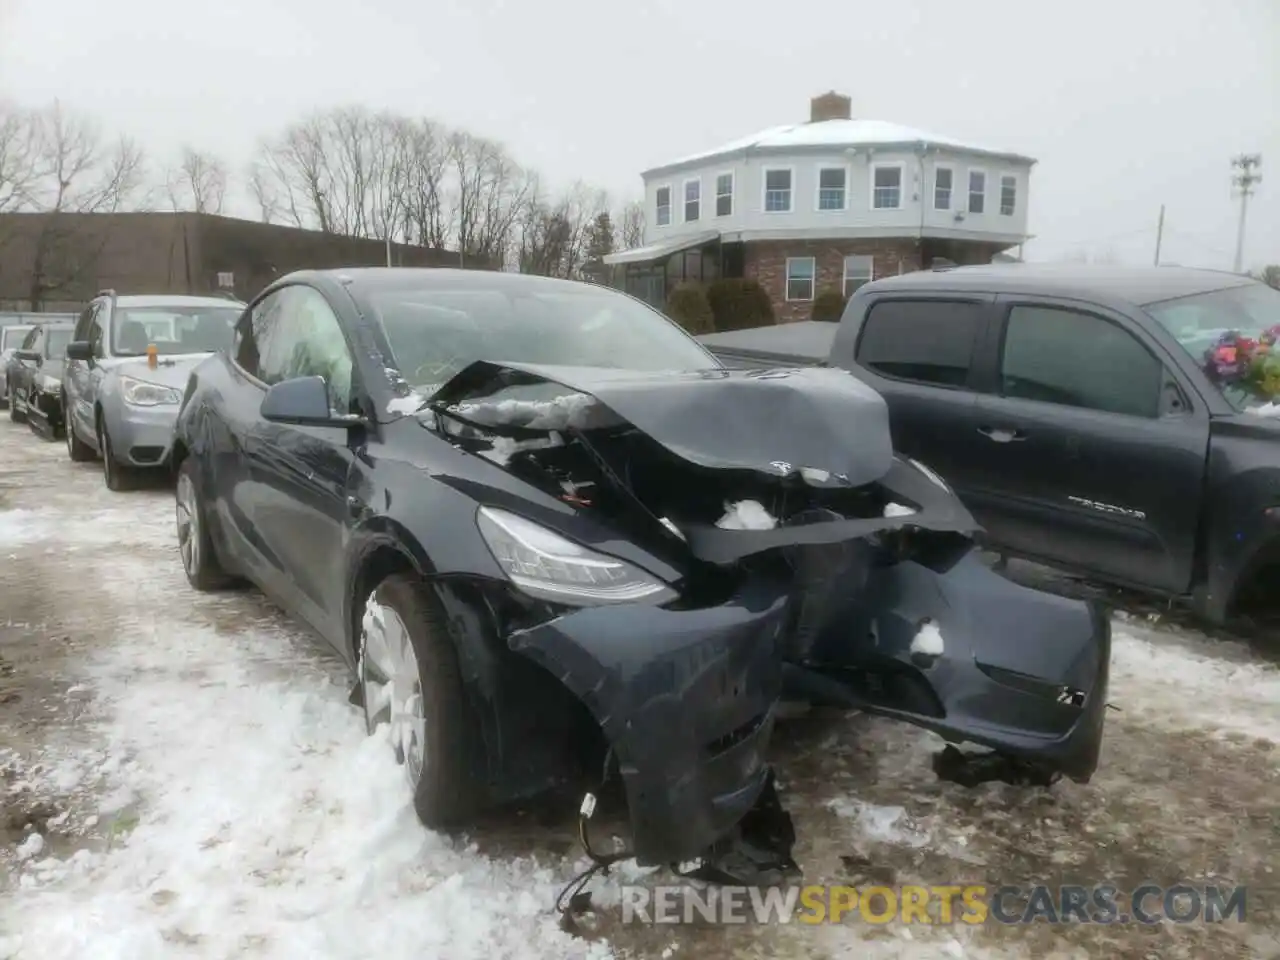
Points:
[(692, 200), (663, 198), (858, 269), (833, 182), (777, 191), (886, 187), (800, 273), (1008, 195), (724, 195), (943, 179), (977, 191)]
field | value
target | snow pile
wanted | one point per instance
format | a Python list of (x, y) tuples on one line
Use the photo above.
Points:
[(1268, 409), (882, 824), (1187, 685), (746, 515), (928, 640), (106, 527), (892, 510), (267, 824), (577, 410)]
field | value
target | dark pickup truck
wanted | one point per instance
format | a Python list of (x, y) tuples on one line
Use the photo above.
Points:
[(1113, 422)]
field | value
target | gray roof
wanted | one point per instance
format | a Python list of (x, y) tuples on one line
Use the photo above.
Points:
[(1138, 285), (173, 300), (806, 339)]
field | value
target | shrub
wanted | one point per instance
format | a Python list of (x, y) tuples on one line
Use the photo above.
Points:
[(689, 307), (829, 306), (740, 305)]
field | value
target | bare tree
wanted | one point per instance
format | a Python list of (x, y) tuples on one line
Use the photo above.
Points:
[(489, 192), (264, 190), (19, 155), (631, 225), (198, 183), (555, 235), (77, 172)]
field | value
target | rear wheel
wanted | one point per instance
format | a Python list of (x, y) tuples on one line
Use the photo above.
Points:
[(412, 684), (199, 561)]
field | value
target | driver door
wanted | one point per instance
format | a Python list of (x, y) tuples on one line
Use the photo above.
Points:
[(78, 379), (300, 473)]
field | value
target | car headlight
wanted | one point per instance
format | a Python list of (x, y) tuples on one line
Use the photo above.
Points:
[(546, 565), (143, 394)]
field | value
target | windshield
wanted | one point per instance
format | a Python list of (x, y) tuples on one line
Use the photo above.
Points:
[(55, 342), (197, 329), (436, 331), (1232, 334)]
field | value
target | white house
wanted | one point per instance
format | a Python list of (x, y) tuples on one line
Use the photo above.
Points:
[(828, 204)]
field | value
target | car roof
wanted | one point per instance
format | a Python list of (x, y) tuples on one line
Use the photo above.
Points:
[(1137, 285), (173, 300), (374, 279)]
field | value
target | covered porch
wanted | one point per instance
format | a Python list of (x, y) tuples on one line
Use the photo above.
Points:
[(651, 272)]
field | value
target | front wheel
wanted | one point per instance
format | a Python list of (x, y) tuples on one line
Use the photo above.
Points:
[(77, 449), (115, 474), (412, 685), (16, 415)]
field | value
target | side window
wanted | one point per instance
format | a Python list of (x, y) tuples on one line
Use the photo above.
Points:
[(309, 342), (94, 333), (928, 341), (1078, 360), (30, 340), (82, 322), (254, 330)]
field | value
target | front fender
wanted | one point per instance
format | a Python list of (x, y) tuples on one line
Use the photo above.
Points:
[(1237, 529)]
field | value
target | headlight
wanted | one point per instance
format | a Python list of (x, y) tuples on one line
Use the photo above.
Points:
[(143, 394), (546, 565), (930, 474)]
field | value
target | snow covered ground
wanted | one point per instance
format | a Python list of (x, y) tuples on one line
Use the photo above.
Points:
[(183, 777)]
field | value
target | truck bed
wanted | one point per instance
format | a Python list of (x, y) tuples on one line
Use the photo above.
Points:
[(805, 343)]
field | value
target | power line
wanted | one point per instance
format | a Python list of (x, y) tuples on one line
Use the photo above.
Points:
[(1245, 181)]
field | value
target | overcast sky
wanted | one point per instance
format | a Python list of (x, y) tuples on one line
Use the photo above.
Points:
[(1127, 104)]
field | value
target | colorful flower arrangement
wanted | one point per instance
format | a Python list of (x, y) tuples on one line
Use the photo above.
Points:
[(1252, 364)]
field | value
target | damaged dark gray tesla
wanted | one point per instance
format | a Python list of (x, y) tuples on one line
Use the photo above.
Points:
[(553, 537)]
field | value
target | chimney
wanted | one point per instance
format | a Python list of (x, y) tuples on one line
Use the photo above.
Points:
[(830, 106)]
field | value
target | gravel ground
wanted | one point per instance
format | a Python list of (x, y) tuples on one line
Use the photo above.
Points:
[(184, 777)]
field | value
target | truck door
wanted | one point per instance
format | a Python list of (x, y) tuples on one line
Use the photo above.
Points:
[(1093, 453)]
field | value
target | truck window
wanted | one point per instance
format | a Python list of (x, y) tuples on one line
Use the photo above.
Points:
[(928, 341), (1079, 360)]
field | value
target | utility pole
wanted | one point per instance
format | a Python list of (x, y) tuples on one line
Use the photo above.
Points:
[(1244, 181), (1159, 233)]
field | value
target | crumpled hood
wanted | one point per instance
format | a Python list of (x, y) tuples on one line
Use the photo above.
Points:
[(169, 372), (771, 421)]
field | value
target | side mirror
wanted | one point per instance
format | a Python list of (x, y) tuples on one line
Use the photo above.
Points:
[(80, 350), (303, 402), (29, 356)]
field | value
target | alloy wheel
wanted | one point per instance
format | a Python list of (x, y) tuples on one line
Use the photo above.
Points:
[(188, 522), (393, 688)]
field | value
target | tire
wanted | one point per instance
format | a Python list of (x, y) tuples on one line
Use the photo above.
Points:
[(444, 789), (116, 475), (199, 561), (14, 414), (77, 449)]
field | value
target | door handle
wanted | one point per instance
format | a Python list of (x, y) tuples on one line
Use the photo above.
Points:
[(1002, 436)]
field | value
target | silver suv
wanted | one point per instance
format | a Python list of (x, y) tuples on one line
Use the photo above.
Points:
[(127, 366)]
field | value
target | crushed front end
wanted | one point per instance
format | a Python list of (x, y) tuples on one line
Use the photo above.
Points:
[(792, 555)]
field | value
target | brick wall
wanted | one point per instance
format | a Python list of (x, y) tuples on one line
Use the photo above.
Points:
[(766, 262)]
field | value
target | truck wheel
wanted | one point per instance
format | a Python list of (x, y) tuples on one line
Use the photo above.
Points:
[(411, 681)]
